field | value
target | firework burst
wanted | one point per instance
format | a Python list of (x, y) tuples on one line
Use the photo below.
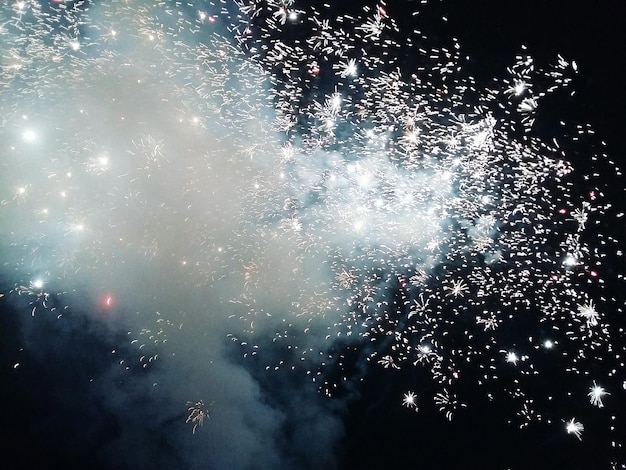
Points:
[(341, 207)]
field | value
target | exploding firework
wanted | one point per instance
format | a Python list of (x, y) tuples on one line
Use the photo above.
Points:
[(197, 414), (342, 208)]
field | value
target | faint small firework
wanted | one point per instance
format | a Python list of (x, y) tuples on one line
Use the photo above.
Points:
[(35, 289), (589, 313), (346, 279), (457, 288), (447, 403), (388, 363), (197, 414), (418, 307), (150, 149), (528, 413), (490, 322)]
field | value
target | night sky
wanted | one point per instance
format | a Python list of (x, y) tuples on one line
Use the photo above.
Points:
[(224, 248)]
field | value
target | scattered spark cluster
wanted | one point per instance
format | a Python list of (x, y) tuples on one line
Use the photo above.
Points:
[(344, 206), (197, 414)]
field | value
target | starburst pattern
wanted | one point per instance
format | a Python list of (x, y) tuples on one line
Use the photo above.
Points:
[(595, 395), (575, 428), (410, 401), (197, 414)]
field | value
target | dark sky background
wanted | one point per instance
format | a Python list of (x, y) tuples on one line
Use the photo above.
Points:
[(54, 415)]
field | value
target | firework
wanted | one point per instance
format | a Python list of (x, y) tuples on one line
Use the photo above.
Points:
[(197, 414), (326, 198)]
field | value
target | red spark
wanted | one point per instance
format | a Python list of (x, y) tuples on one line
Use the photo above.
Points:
[(108, 301)]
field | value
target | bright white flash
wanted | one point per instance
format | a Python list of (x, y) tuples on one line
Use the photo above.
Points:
[(512, 358), (29, 135), (575, 428), (596, 392)]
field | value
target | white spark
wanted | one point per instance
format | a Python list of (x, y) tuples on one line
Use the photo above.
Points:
[(595, 395), (574, 427)]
